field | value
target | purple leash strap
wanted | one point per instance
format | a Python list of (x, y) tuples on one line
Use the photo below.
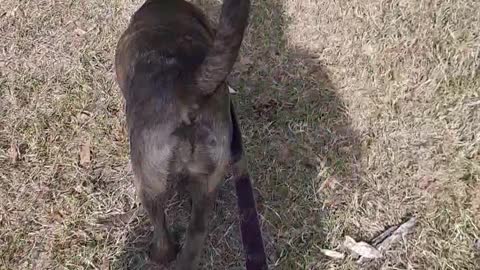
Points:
[(250, 225)]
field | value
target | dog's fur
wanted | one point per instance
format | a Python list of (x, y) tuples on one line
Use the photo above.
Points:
[(171, 66)]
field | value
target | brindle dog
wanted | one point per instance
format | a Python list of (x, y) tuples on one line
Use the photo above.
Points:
[(171, 66)]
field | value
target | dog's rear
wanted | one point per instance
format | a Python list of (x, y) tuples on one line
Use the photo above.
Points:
[(171, 67)]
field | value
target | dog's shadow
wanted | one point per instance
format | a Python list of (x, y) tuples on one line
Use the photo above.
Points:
[(299, 142)]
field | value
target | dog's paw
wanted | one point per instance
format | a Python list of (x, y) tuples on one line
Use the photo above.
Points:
[(186, 261), (163, 255), (183, 265)]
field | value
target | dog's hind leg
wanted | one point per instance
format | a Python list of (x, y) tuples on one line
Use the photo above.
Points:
[(203, 194), (151, 154), (151, 188), (163, 248)]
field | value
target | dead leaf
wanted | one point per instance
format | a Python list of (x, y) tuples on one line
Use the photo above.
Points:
[(13, 152), (85, 156), (361, 248), (332, 254)]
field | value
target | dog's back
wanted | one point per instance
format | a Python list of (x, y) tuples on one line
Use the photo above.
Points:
[(157, 57), (158, 54), (171, 67)]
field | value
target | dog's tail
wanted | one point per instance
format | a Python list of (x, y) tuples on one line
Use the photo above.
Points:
[(222, 55)]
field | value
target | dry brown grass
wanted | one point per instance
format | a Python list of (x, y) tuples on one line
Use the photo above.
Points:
[(356, 114)]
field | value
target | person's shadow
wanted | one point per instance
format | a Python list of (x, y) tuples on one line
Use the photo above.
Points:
[(300, 146)]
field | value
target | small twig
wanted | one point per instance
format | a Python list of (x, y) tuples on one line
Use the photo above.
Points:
[(398, 234), (380, 238), (395, 235)]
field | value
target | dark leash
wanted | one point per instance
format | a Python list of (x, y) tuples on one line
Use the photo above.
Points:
[(249, 223)]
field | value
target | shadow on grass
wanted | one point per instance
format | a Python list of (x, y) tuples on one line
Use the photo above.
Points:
[(299, 142)]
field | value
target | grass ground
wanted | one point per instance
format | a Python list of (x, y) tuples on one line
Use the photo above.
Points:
[(356, 114)]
